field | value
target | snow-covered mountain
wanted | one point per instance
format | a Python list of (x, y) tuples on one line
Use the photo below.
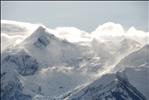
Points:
[(42, 63)]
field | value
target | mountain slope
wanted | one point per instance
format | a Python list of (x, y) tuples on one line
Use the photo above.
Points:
[(108, 87), (136, 59)]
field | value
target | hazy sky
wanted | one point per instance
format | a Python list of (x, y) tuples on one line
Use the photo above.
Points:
[(85, 15)]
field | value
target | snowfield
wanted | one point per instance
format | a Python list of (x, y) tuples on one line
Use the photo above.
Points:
[(66, 63)]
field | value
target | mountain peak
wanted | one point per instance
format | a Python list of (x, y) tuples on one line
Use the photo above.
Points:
[(40, 38), (41, 28)]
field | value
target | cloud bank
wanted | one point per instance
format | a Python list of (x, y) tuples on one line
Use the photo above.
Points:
[(13, 32)]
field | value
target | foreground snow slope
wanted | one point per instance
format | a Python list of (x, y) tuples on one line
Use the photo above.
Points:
[(109, 87), (42, 62)]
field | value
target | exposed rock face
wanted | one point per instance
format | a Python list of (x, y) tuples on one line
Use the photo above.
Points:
[(13, 65), (23, 62), (13, 91), (42, 42)]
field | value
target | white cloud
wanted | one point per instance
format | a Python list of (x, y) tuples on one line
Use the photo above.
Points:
[(109, 29), (13, 27), (7, 40), (14, 32), (72, 34)]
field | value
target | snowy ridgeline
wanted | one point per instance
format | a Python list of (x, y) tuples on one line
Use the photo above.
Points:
[(38, 63)]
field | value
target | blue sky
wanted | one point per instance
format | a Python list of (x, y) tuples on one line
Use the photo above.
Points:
[(85, 15)]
